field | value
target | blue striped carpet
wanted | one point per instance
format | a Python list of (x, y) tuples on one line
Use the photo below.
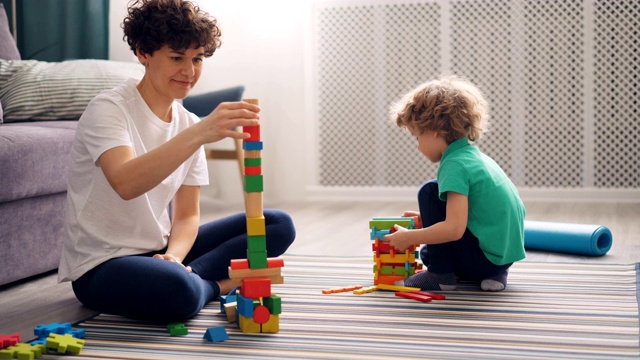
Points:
[(549, 311)]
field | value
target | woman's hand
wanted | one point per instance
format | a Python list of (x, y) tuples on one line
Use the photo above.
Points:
[(172, 258), (223, 121)]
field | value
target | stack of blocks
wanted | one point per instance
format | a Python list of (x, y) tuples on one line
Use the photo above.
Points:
[(390, 266), (257, 309)]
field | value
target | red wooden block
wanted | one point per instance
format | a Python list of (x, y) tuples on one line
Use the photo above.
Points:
[(256, 288), (261, 314), (432, 295), (237, 264), (253, 131), (275, 262), (253, 170), (416, 295), (387, 279)]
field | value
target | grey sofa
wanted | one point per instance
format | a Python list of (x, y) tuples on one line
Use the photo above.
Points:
[(36, 134)]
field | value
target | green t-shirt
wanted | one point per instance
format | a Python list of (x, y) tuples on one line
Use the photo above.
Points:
[(496, 213)]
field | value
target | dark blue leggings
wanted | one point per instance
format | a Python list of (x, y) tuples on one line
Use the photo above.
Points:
[(462, 257), (143, 287)]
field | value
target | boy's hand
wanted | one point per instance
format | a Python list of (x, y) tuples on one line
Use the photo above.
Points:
[(398, 239)]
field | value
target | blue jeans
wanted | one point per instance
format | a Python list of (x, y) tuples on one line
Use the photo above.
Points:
[(463, 257), (142, 287)]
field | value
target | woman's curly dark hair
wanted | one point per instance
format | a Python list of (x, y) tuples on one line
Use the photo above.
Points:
[(151, 24)]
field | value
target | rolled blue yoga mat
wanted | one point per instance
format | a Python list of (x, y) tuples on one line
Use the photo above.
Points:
[(593, 240)]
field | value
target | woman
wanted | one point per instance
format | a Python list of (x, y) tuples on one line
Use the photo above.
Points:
[(137, 151)]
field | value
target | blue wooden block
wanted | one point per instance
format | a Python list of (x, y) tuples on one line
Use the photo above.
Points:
[(217, 333), (252, 145)]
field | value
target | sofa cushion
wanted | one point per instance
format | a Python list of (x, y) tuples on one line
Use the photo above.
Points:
[(8, 48), (32, 90), (34, 158)]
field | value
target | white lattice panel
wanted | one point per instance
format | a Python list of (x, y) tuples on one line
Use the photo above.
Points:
[(561, 78)]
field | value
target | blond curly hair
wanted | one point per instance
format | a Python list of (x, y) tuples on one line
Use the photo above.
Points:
[(451, 106)]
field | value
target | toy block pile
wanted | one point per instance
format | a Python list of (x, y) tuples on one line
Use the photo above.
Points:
[(61, 338), (257, 309), (390, 266)]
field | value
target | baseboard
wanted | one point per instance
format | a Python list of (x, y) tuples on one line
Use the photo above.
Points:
[(589, 195)]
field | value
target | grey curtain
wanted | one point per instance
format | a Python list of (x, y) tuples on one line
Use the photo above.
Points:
[(57, 30)]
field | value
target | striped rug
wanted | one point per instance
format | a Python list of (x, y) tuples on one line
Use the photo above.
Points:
[(549, 311)]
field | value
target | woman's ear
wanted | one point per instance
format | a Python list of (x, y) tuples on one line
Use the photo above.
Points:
[(143, 58)]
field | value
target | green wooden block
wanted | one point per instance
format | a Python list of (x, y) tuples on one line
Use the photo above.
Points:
[(252, 162), (257, 243), (253, 183), (177, 329), (386, 270), (274, 304), (387, 223), (257, 259)]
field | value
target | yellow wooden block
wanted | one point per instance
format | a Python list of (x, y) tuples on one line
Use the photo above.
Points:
[(397, 288), (248, 325), (252, 273), (273, 325), (252, 101), (397, 258), (256, 226), (365, 290)]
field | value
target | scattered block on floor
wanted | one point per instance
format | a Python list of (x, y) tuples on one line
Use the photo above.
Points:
[(9, 340), (64, 343), (216, 334), (177, 329), (22, 351)]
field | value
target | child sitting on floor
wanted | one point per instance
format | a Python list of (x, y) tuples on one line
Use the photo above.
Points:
[(472, 215)]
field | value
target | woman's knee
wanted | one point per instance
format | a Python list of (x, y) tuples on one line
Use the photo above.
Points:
[(281, 227)]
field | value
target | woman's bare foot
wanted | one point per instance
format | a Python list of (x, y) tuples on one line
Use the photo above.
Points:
[(225, 286)]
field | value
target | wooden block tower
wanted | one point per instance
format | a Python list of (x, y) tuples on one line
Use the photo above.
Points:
[(257, 309), (390, 266)]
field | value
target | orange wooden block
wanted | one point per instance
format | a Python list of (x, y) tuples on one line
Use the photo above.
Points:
[(388, 279)]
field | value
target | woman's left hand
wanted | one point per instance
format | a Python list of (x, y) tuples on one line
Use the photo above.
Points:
[(172, 258)]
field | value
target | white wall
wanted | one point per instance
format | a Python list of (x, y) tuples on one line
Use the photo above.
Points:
[(264, 49)]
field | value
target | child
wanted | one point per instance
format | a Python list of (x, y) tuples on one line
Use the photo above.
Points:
[(472, 215), (137, 151)]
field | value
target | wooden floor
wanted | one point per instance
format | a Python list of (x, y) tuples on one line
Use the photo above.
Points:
[(324, 228)]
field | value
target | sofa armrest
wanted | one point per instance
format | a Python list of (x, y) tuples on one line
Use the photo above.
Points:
[(203, 104)]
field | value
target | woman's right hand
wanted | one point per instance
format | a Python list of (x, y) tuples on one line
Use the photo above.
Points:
[(411, 213), (223, 120)]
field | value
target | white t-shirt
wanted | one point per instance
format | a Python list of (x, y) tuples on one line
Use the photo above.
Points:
[(99, 224)]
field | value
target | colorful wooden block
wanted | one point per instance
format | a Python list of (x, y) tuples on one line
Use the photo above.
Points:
[(257, 259), (253, 204), (253, 131), (252, 145), (273, 303), (216, 334), (248, 325), (252, 162), (256, 226), (261, 314), (256, 288), (253, 183), (177, 329), (271, 326), (275, 262), (237, 264), (253, 170)]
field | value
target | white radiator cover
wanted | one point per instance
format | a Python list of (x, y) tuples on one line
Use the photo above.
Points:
[(562, 79)]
